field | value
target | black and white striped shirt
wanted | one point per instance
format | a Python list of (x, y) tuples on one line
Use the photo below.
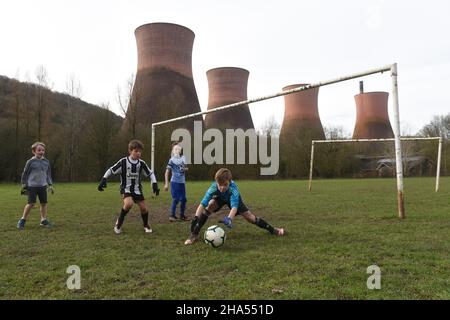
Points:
[(131, 174)]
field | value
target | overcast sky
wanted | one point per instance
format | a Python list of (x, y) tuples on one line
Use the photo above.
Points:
[(280, 42)]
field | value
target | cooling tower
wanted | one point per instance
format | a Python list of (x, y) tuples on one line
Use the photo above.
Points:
[(228, 85), (301, 114), (164, 86), (163, 89), (372, 119), (301, 124)]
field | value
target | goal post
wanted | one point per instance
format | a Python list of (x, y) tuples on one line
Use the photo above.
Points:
[(439, 153), (392, 68)]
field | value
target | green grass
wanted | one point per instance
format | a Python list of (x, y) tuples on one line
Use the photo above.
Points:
[(334, 233)]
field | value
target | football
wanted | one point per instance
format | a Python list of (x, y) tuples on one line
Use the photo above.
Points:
[(215, 236)]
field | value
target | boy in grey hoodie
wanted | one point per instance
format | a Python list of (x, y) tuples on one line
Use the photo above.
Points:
[(36, 178)]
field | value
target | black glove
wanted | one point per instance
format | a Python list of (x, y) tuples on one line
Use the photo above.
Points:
[(155, 188), (24, 190), (102, 184)]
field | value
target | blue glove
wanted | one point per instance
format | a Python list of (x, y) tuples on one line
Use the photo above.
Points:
[(227, 221)]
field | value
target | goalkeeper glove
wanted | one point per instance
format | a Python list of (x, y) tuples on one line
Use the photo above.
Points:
[(228, 222), (155, 188), (102, 184), (24, 190)]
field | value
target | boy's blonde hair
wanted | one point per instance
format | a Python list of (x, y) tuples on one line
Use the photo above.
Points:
[(36, 144), (135, 144), (223, 175), (176, 144)]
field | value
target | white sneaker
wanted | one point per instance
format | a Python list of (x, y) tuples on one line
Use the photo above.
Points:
[(192, 238), (148, 230), (117, 230)]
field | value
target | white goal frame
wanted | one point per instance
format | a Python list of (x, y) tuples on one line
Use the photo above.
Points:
[(438, 165), (392, 68)]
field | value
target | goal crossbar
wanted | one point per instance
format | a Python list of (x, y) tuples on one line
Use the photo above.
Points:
[(438, 165), (392, 68)]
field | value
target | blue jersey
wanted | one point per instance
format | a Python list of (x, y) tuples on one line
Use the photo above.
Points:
[(177, 165), (232, 195)]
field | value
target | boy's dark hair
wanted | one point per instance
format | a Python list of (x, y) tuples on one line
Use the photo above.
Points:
[(135, 144), (223, 175)]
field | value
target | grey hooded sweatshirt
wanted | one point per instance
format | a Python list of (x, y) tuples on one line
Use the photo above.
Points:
[(37, 173)]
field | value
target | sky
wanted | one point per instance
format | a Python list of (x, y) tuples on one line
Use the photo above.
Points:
[(280, 42)]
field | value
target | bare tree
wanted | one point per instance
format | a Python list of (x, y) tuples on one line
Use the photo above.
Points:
[(102, 135), (335, 133), (129, 101), (270, 127), (43, 86), (74, 126), (438, 127), (17, 93), (27, 103)]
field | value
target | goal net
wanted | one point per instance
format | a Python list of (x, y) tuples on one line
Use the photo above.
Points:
[(383, 162), (391, 69)]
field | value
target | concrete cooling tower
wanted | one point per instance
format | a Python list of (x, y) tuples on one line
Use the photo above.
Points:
[(164, 86), (163, 89), (372, 119), (301, 114), (301, 124), (228, 85)]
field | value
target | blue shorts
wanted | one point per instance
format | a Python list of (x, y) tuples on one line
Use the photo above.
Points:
[(178, 191), (40, 192)]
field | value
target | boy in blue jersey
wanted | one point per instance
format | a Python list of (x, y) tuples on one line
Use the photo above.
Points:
[(176, 166), (225, 192)]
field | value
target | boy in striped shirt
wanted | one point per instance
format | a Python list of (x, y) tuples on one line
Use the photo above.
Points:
[(132, 170)]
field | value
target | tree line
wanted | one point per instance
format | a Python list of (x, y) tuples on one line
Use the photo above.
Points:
[(79, 136), (84, 139)]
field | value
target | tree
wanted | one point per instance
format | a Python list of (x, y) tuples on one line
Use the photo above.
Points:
[(17, 92), (129, 104), (74, 126), (270, 127), (103, 133), (43, 87), (335, 159), (27, 94), (439, 126), (335, 133)]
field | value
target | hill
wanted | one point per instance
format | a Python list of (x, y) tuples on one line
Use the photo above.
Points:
[(80, 137)]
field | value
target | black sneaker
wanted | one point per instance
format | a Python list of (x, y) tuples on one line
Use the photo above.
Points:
[(21, 224), (45, 223), (184, 218)]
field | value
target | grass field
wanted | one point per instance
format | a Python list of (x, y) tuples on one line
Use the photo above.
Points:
[(334, 234)]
